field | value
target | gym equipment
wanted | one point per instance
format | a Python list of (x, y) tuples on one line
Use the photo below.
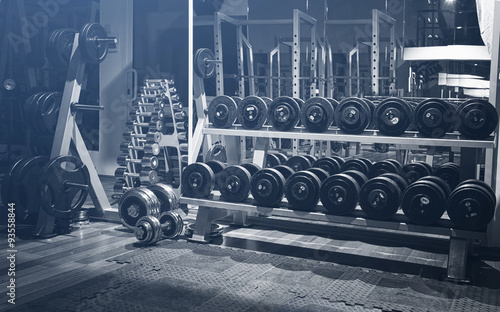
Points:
[(414, 171), (434, 118), (267, 187), (450, 172), (94, 42), (283, 113), (137, 203), (329, 164), (393, 116), (316, 114), (299, 163), (302, 190), (424, 201), (204, 63), (353, 115), (222, 111), (252, 112), (380, 198), (339, 194), (234, 183), (381, 167), (477, 119), (198, 180)]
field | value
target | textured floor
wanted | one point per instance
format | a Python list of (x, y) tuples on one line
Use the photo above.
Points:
[(99, 267)]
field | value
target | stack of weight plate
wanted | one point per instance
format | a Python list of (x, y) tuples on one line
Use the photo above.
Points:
[(155, 142)]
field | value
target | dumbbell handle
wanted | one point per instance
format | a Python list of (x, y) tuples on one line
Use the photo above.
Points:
[(68, 185), (78, 106), (208, 61), (105, 40)]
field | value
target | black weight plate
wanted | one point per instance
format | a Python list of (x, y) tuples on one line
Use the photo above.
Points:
[(393, 116), (320, 173), (266, 99), (381, 167), (397, 163), (329, 164), (360, 177), (165, 195), (234, 183), (429, 167), (135, 204), (41, 144), (197, 180), (252, 112), (334, 103), (272, 161), (371, 108), (202, 67), (268, 187), (222, 111), (8, 179), (434, 117), (477, 119), (340, 194), (302, 190), (311, 158), (299, 163), (396, 178), (339, 159), (353, 115), (356, 164), (368, 162), (93, 51), (60, 46), (32, 100), (58, 198), (470, 207), (24, 192), (170, 224), (442, 184), (251, 167), (484, 185), (413, 171), (316, 114), (216, 166), (237, 99), (285, 171), (48, 111), (283, 113), (380, 198), (424, 202), (35, 122), (282, 157)]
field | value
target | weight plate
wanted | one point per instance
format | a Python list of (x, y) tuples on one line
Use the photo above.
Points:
[(216, 166), (429, 167), (137, 203), (339, 159), (360, 177), (197, 180), (251, 167), (302, 190), (266, 99), (272, 161), (216, 230), (371, 109), (424, 202), (47, 112), (329, 164), (60, 46), (59, 198), (353, 115), (311, 158), (356, 164), (477, 119), (283, 113), (471, 207), (339, 194), (203, 66), (368, 162), (320, 173), (442, 183), (7, 180), (484, 185), (166, 196), (414, 171), (148, 230), (24, 192), (298, 163), (397, 163), (282, 157), (381, 167), (222, 111), (380, 198), (171, 224), (393, 116), (237, 99), (234, 183), (434, 118), (268, 187), (252, 112), (396, 178), (335, 104), (317, 114), (285, 170), (93, 49)]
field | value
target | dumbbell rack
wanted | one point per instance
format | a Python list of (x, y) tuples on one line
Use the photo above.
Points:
[(460, 240), (157, 96)]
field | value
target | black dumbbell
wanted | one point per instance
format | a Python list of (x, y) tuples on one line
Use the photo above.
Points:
[(222, 111), (302, 190), (380, 197), (450, 172), (434, 117), (316, 114), (340, 194), (353, 115), (330, 164), (252, 112), (283, 113), (414, 171), (477, 119), (381, 167), (234, 182), (267, 187), (393, 116), (299, 163)]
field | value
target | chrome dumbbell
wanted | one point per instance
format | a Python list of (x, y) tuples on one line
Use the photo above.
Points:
[(145, 176), (145, 162), (154, 136), (150, 148)]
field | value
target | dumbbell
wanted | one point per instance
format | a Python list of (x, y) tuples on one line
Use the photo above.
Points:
[(477, 119), (217, 167), (145, 176), (414, 171), (302, 190), (149, 229), (252, 112), (360, 164), (330, 164), (285, 170), (149, 137), (316, 114), (472, 205), (335, 104), (145, 162), (381, 167), (157, 113), (222, 111), (272, 160), (353, 115), (434, 117), (267, 187), (393, 116), (360, 177), (380, 197), (150, 148), (299, 163), (136, 203), (216, 230), (234, 182), (154, 124), (198, 180), (283, 113), (340, 194), (450, 172), (425, 200), (322, 174)]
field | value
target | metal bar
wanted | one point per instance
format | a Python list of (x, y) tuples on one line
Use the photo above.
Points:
[(314, 59), (266, 22), (191, 97), (270, 78), (250, 69), (369, 136), (375, 52), (241, 69), (330, 84), (303, 16), (196, 137), (296, 54), (392, 61), (219, 73), (226, 18), (348, 22)]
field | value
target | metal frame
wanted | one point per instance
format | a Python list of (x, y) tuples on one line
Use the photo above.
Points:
[(377, 18)]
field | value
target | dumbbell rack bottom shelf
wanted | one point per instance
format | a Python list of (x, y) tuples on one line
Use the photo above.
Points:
[(214, 207), (368, 136)]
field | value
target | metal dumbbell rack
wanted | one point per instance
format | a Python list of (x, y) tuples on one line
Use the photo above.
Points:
[(157, 129)]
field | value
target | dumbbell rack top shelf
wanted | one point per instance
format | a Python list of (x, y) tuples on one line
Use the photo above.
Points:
[(368, 136), (398, 223)]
